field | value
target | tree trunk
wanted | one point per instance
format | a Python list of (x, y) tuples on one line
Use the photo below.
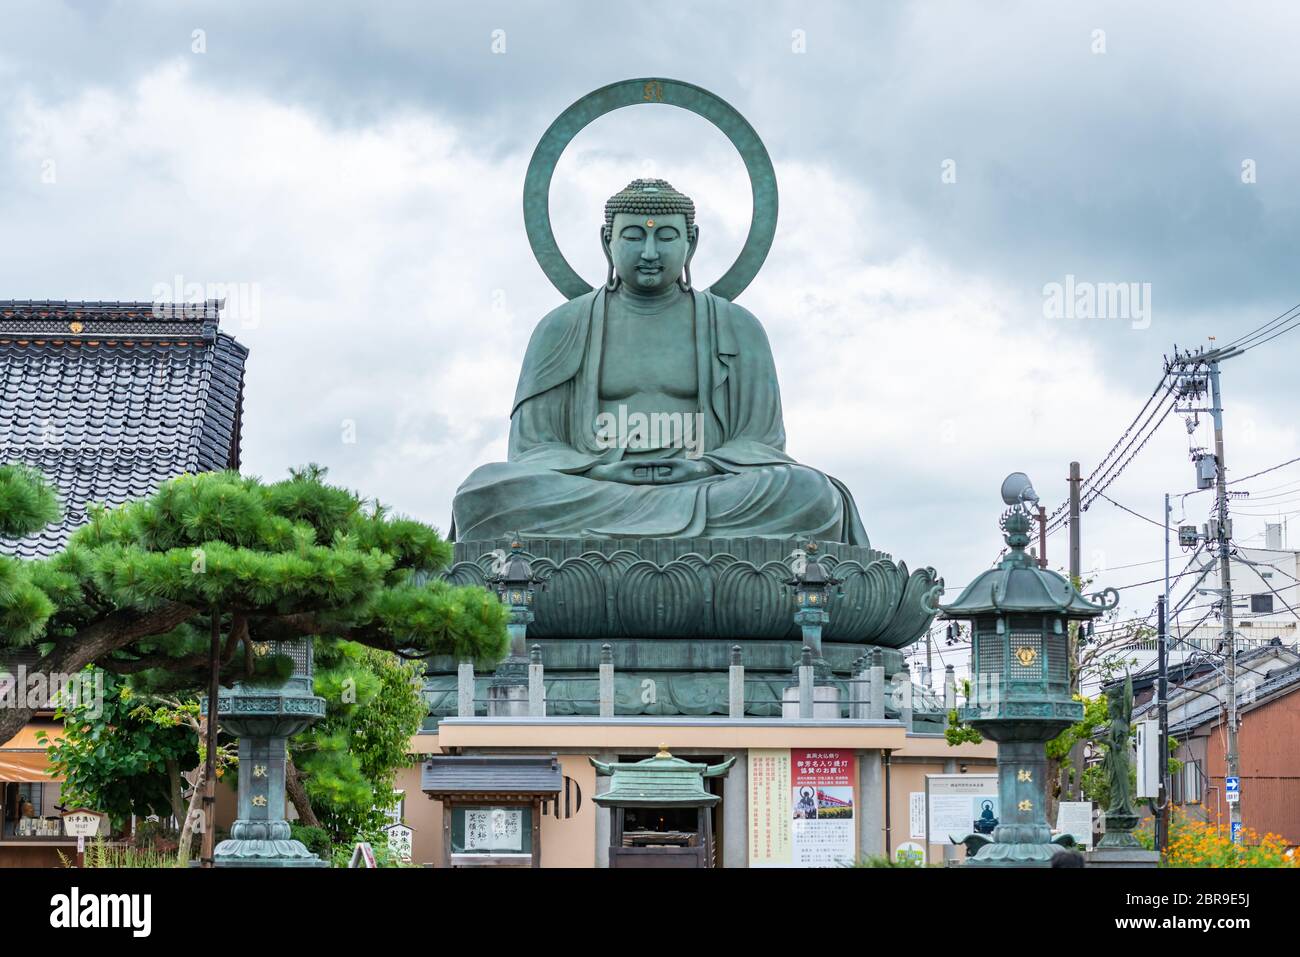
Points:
[(191, 814), (174, 791), (210, 768), (293, 786), (93, 642)]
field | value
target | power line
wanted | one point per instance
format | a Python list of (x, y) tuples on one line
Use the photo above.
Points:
[(1052, 519), (1272, 323), (1273, 468), (1125, 508)]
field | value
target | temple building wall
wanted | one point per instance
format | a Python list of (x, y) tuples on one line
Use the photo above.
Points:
[(575, 831)]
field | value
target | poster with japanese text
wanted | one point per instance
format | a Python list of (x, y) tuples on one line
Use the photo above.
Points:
[(822, 785), (770, 818), (494, 829)]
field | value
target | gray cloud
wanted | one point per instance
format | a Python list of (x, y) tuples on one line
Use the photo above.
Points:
[(363, 164)]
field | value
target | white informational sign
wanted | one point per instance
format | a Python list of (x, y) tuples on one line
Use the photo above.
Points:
[(1075, 818), (1148, 759), (363, 856), (494, 829), (80, 822), (960, 804), (399, 841), (802, 807), (916, 815)]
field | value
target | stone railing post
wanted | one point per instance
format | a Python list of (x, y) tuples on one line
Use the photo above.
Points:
[(806, 678), (536, 689), (949, 689), (859, 688), (905, 705), (606, 680), (736, 685), (465, 689), (877, 685)]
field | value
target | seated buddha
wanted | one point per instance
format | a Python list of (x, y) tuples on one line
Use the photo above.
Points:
[(647, 408)]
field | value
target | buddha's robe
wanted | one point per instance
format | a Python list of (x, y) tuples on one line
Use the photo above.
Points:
[(543, 490)]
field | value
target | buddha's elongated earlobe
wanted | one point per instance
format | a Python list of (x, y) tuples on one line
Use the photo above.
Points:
[(685, 281), (611, 278)]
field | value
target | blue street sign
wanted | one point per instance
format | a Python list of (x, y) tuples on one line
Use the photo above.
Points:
[(1236, 832), (1233, 783)]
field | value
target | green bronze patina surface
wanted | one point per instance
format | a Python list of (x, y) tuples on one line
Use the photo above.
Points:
[(1121, 818), (646, 469), (1021, 695), (265, 717), (687, 96), (659, 781), (721, 588)]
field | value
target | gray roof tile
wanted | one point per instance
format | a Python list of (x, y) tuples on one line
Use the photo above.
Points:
[(111, 399), (491, 774)]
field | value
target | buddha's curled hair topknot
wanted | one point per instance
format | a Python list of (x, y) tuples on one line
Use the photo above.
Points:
[(649, 197)]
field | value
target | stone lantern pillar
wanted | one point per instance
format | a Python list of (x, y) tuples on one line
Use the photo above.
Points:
[(265, 716), (514, 582), (1021, 695), (812, 585)]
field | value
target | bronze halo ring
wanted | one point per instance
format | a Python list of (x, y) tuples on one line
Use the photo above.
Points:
[(687, 96)]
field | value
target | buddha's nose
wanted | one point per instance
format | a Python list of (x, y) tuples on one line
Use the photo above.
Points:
[(650, 250)]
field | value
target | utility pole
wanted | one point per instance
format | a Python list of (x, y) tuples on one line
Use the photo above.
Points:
[(1186, 364), (1076, 565), (1076, 572), (1233, 761), (929, 664), (1162, 697)]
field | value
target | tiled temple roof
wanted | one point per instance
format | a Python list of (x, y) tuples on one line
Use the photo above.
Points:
[(109, 399)]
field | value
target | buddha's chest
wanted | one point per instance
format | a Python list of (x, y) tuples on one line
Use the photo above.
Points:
[(649, 355)]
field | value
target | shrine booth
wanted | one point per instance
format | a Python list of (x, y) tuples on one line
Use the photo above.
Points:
[(660, 811), (31, 828), (492, 806)]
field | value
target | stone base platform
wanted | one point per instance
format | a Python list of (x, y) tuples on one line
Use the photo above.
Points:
[(1122, 857)]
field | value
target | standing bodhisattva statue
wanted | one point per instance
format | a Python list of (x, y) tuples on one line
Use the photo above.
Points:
[(1120, 816), (648, 408)]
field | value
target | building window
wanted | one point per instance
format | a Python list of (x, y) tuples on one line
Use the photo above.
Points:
[(1191, 783), (1261, 604)]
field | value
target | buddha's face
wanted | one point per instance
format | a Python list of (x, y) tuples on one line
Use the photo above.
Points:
[(648, 252)]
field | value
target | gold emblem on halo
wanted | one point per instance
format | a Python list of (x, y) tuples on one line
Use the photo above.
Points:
[(1026, 656)]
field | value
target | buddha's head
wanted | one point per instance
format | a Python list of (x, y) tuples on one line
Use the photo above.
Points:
[(649, 236)]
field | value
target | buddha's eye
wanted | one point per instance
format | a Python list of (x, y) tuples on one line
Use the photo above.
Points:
[(666, 235), (633, 234)]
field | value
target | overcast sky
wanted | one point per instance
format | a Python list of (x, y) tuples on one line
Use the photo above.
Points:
[(358, 170)]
